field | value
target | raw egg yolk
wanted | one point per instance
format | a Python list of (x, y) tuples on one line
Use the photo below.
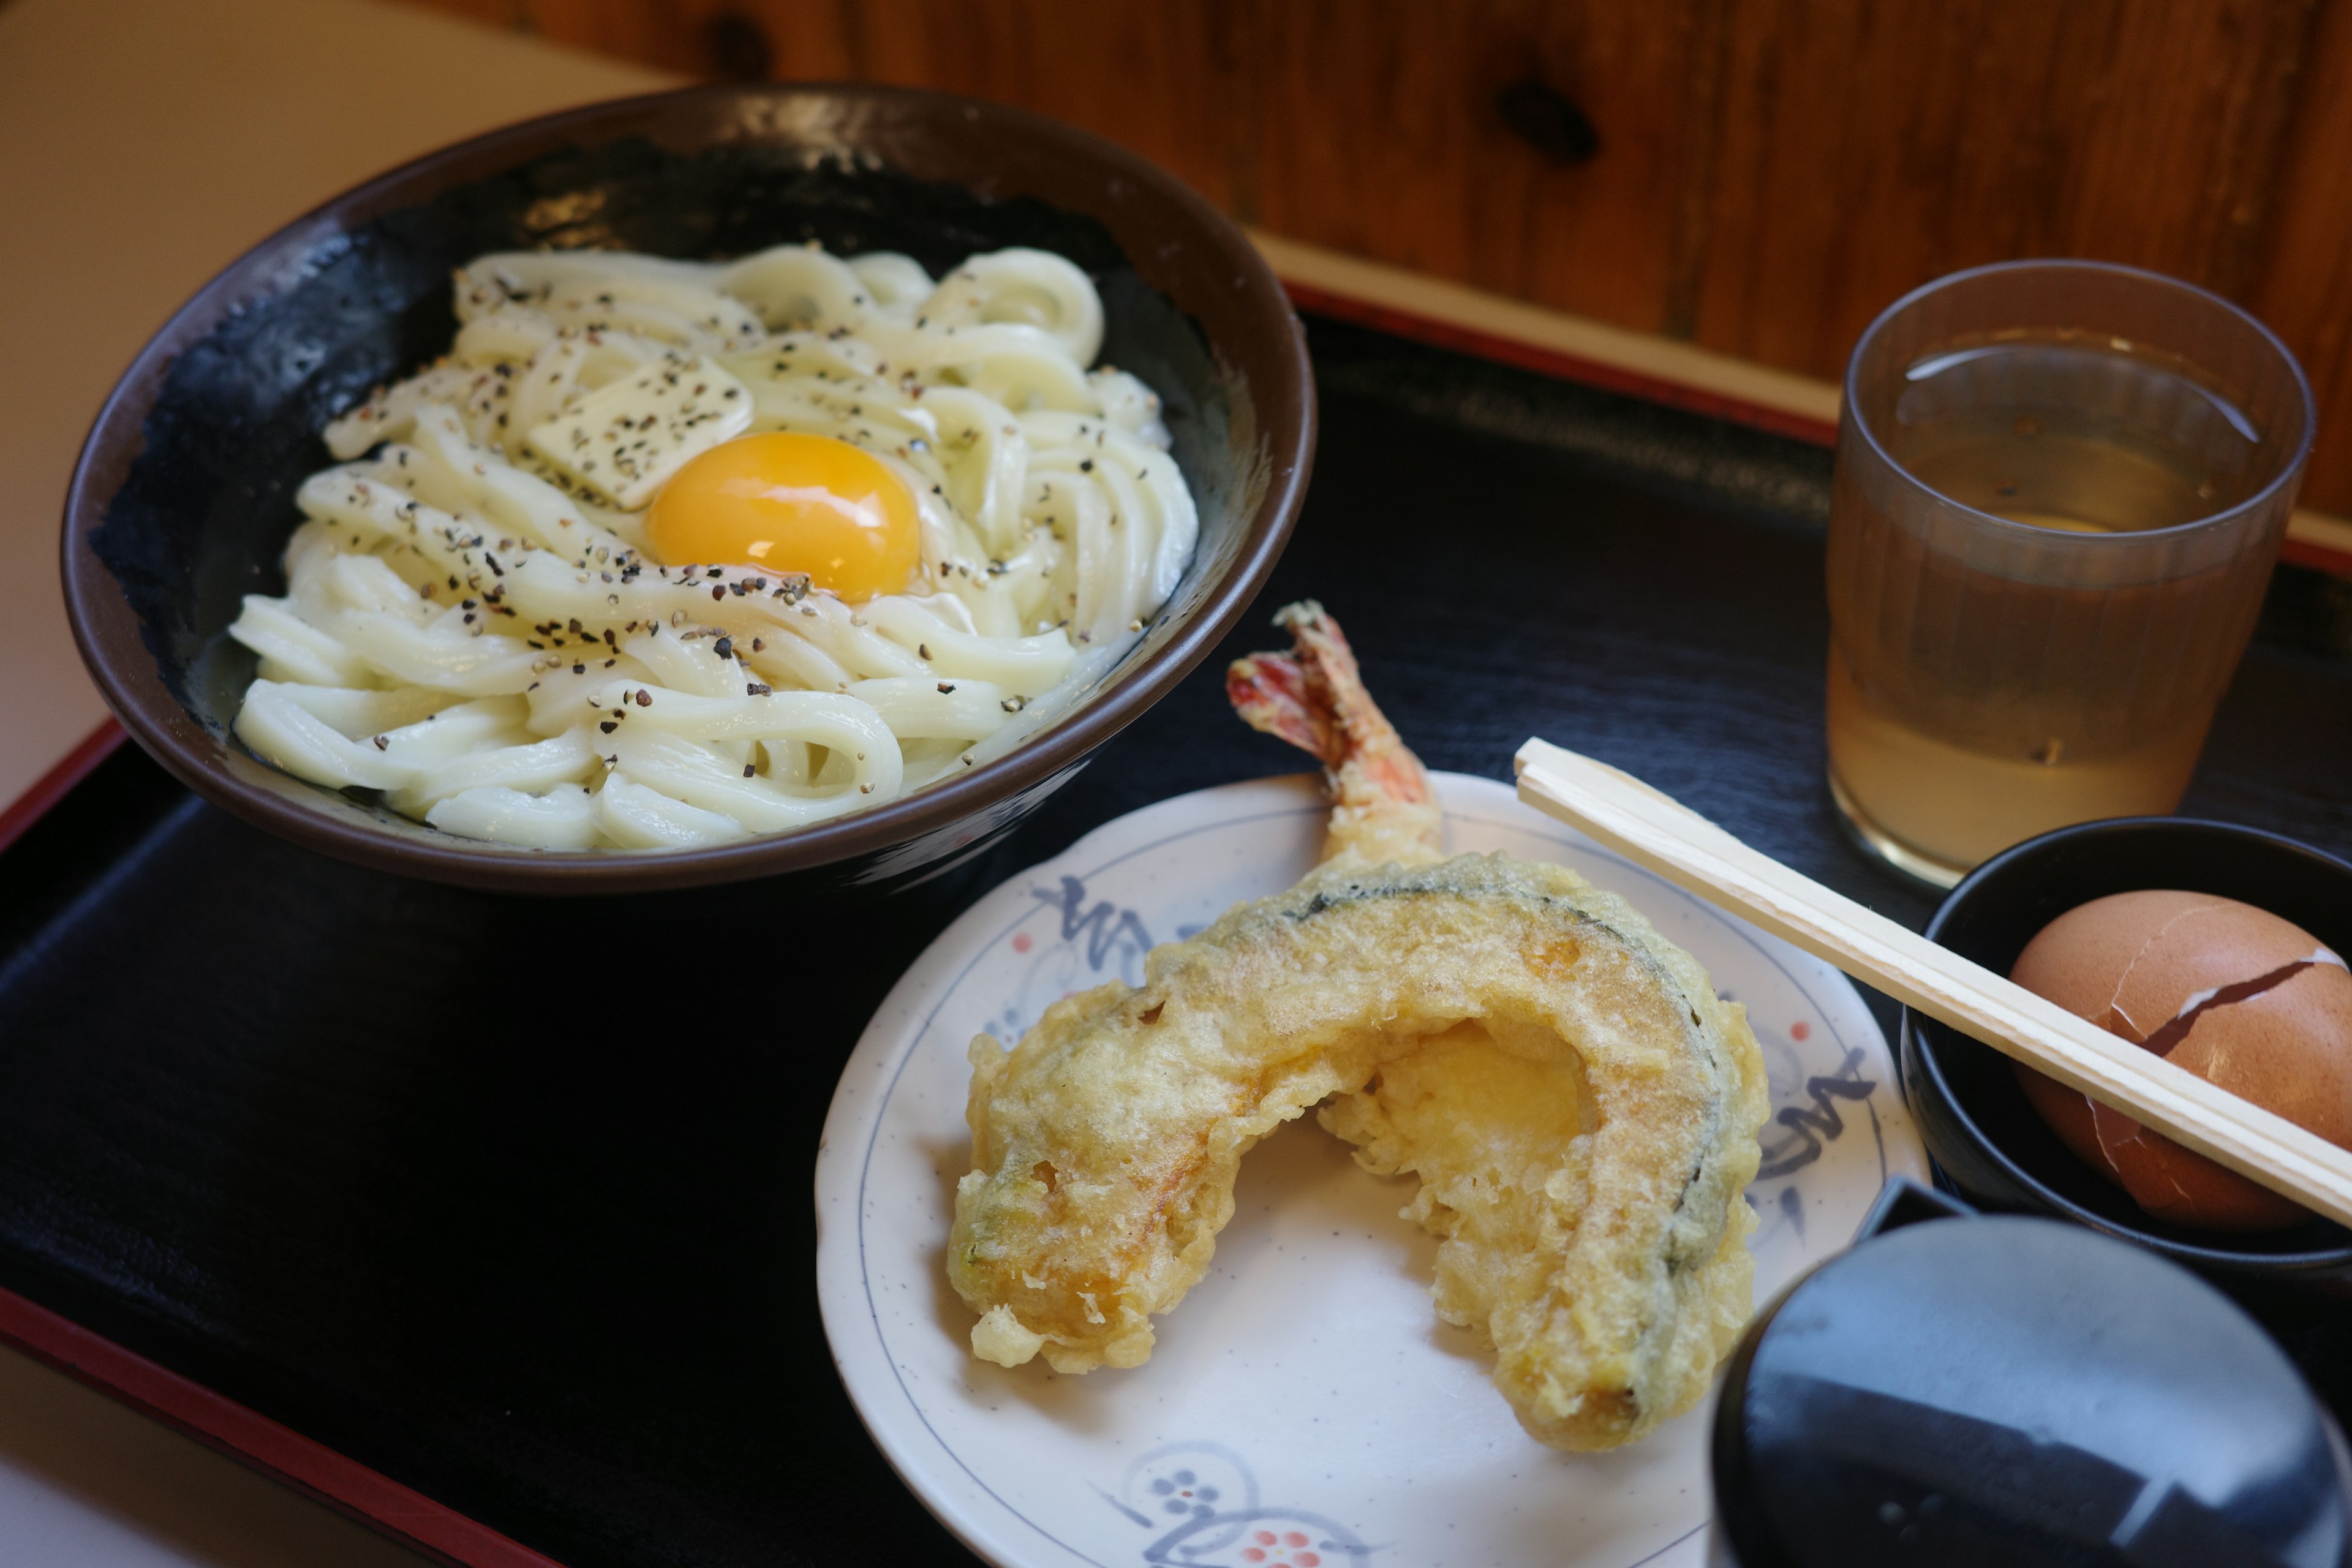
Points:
[(791, 503)]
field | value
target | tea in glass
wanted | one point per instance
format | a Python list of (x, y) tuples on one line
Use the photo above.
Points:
[(2060, 490)]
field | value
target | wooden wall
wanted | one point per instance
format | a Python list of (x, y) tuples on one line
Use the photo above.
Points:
[(1760, 176)]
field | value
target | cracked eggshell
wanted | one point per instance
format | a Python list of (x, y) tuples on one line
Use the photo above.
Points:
[(2137, 963), (2288, 1049)]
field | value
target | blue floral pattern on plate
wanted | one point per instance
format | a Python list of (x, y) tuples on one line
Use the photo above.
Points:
[(1371, 1430)]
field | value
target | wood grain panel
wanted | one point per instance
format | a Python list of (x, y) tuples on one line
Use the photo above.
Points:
[(499, 13), (788, 39), (1868, 148), (1381, 136), (2305, 289), (1771, 174), (1161, 78)]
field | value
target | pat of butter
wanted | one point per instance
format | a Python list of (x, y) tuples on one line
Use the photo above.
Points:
[(624, 439)]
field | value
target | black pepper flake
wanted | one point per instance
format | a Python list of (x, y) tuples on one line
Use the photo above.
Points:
[(644, 698), (946, 686), (608, 726), (718, 596), (578, 669), (381, 744), (715, 572), (754, 688), (923, 650), (756, 645), (746, 769), (724, 647), (1087, 466)]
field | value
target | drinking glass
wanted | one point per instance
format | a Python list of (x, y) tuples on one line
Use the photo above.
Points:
[(2060, 490)]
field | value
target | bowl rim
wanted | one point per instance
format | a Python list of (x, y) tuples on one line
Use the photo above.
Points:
[(108, 633), (2315, 1261)]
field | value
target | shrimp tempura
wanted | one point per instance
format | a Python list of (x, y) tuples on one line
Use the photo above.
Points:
[(1579, 1106)]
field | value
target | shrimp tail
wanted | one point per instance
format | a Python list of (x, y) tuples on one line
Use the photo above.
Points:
[(1382, 807), (1269, 692)]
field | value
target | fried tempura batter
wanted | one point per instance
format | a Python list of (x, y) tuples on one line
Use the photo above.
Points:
[(1580, 1107)]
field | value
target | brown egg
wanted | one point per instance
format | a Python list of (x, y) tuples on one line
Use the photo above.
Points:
[(2235, 995)]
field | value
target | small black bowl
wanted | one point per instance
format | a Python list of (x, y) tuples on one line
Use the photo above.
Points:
[(1985, 1136)]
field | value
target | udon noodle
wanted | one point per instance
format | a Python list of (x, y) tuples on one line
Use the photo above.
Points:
[(475, 623)]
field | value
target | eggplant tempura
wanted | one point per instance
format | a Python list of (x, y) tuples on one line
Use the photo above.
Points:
[(1579, 1107)]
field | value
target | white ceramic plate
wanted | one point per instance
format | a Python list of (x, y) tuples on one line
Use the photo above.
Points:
[(1305, 1405)]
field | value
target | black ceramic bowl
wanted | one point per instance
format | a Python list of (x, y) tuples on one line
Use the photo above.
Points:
[(182, 499), (1985, 1136)]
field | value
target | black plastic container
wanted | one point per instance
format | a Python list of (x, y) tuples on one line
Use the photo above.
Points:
[(1985, 1137), (2005, 1389)]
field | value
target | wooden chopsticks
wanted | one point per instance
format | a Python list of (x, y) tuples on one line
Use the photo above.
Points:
[(1684, 848)]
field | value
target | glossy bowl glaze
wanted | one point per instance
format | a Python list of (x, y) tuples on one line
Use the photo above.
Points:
[(2004, 1389), (182, 499), (1985, 1136)]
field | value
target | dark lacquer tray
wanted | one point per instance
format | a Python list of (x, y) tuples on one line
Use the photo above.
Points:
[(490, 1218)]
